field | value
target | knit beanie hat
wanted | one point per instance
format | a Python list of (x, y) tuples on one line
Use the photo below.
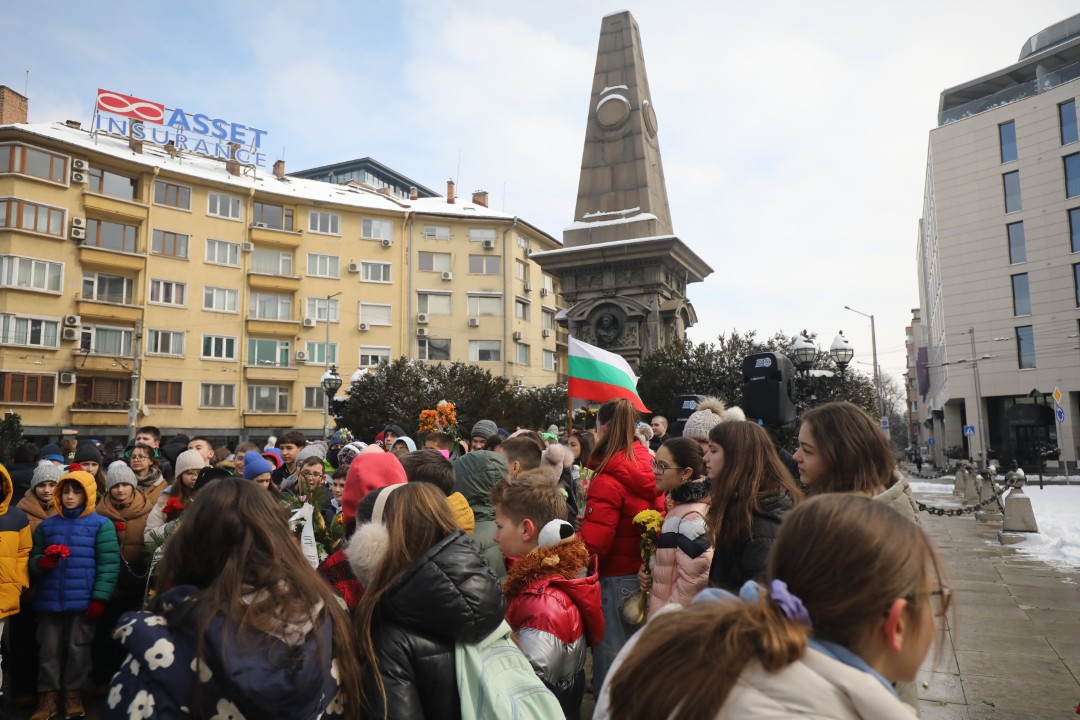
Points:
[(255, 465), (208, 474), (309, 451), (709, 413), (188, 460), (46, 472), (119, 472), (273, 456), (395, 429), (555, 459), (369, 471), (349, 452), (87, 453), (52, 452), (484, 429)]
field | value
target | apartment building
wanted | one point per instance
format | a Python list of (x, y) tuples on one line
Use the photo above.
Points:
[(211, 295)]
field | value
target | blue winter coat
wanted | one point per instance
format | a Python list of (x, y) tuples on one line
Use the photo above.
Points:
[(90, 572), (250, 676)]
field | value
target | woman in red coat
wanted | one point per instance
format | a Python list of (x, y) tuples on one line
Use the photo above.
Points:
[(623, 486)]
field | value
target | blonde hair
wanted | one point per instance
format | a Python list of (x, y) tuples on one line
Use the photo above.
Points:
[(620, 417), (533, 495)]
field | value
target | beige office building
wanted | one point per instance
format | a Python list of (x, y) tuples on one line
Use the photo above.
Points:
[(999, 259)]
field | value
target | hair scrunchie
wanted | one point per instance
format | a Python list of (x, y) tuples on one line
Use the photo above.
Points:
[(789, 603)]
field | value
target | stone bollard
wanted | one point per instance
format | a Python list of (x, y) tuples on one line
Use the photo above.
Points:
[(971, 492), (986, 491), (1019, 518), (958, 480)]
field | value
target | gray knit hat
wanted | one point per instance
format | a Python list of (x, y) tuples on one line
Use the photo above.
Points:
[(484, 429), (187, 460), (709, 414), (310, 450), (46, 471), (119, 472)]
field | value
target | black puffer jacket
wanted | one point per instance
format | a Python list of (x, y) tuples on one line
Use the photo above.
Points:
[(733, 565), (448, 594)]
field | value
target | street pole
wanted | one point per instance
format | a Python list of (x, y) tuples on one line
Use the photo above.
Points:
[(877, 370), (326, 357), (136, 381), (978, 401)]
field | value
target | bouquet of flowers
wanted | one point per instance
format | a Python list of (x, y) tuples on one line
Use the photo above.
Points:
[(120, 526), (173, 509), (327, 538), (636, 608), (58, 551), (441, 419)]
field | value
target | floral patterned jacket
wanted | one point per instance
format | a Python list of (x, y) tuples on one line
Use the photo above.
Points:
[(286, 675)]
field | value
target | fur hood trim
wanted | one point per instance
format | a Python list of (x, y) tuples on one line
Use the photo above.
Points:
[(565, 560)]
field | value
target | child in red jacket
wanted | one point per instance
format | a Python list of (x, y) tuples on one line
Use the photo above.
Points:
[(552, 586)]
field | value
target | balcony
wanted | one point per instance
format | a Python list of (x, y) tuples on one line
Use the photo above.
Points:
[(109, 365), (107, 311), (269, 420), (277, 328), (270, 372), (109, 414), (90, 256), (270, 236), (115, 208), (275, 283)]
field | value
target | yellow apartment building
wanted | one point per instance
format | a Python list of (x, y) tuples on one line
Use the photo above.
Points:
[(215, 294)]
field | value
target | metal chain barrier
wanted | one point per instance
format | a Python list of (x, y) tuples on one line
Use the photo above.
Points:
[(956, 512)]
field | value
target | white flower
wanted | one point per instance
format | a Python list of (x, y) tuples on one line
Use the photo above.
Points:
[(134, 666), (156, 620), (142, 706), (334, 671), (123, 631), (160, 654), (202, 669), (227, 711), (336, 706), (114, 696)]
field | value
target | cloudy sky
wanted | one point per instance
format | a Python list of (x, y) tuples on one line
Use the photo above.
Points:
[(793, 134)]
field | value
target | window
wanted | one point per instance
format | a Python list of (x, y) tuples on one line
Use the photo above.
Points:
[(271, 353), (29, 388), (375, 314), (31, 274), (372, 355), (436, 232), (1025, 347), (168, 292), (271, 262), (217, 395), (1072, 175), (316, 353), (220, 299), (485, 305), (322, 309), (218, 347), (272, 216), (433, 303), (1021, 295), (314, 397), (1067, 117), (1007, 139), (323, 265), (164, 342), (23, 215), (434, 262), (268, 398), (1012, 191), (170, 195), (485, 264), (521, 309), (170, 244), (1074, 228), (521, 270), (108, 288), (29, 332), (26, 160), (106, 182), (162, 392), (547, 283), (224, 206), (549, 361), (327, 223), (1017, 248), (1076, 283), (375, 272), (220, 252), (521, 353), (110, 235), (103, 390), (547, 320), (97, 340), (481, 234), (485, 350), (432, 349), (269, 306), (372, 229)]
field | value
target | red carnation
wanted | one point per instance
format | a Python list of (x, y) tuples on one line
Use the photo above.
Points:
[(75, 466), (120, 526), (58, 551), (173, 507)]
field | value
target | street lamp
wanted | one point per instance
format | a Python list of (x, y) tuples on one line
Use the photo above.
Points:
[(331, 383), (803, 352), (841, 353), (873, 343)]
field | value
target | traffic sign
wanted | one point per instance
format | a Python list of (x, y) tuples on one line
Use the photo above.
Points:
[(1060, 413), (1057, 396), (931, 442), (885, 423), (969, 431)]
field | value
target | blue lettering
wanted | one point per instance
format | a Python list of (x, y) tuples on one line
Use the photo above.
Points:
[(257, 142), (237, 134), (138, 131), (260, 159), (199, 124), (219, 129), (178, 120), (201, 148), (243, 156), (159, 139), (221, 151), (181, 141), (117, 126)]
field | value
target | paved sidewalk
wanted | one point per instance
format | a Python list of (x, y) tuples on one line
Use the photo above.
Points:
[(1014, 649)]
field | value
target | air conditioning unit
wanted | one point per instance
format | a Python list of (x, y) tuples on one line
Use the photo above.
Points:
[(301, 356), (545, 332), (448, 275), (78, 233), (70, 333), (519, 381), (78, 177), (387, 242), (72, 321), (422, 332), (422, 318), (474, 322), (309, 322), (79, 164), (543, 292), (260, 225), (364, 327), (248, 247), (528, 287), (67, 378), (354, 267), (79, 222), (489, 244), (517, 335)]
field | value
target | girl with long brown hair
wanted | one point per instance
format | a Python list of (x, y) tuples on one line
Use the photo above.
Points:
[(240, 626), (623, 486), (751, 492), (849, 606)]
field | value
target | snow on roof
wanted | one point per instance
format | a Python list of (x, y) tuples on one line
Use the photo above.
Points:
[(584, 225)]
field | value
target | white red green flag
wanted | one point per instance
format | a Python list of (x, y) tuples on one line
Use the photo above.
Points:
[(599, 375)]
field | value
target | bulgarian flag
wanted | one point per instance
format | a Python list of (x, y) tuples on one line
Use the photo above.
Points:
[(599, 375)]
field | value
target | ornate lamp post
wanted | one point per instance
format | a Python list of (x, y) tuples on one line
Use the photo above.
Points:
[(331, 383), (841, 353)]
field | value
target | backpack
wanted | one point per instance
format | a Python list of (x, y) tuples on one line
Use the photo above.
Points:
[(496, 681)]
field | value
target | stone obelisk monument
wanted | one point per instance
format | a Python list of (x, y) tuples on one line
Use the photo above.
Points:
[(622, 270)]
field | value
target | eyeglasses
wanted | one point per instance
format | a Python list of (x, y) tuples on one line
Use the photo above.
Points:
[(313, 475), (660, 467), (940, 600), (140, 457)]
